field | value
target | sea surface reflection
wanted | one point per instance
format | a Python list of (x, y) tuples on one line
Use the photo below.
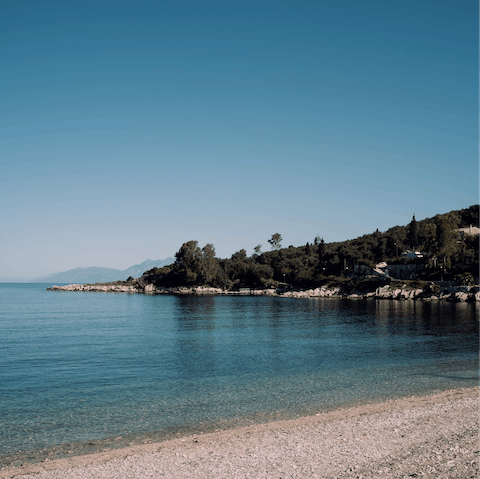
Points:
[(98, 369)]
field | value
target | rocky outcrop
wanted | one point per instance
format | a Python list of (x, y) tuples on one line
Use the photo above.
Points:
[(95, 287), (135, 288), (195, 290), (263, 292), (432, 292)]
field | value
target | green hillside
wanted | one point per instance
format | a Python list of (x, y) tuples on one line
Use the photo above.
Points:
[(446, 254)]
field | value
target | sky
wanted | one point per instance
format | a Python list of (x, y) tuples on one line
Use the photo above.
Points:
[(128, 128)]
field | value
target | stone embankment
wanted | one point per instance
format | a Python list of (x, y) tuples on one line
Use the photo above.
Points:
[(432, 292)]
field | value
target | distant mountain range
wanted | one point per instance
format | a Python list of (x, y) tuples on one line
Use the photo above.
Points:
[(96, 274)]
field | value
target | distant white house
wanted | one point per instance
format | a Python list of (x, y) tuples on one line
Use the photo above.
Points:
[(470, 231)]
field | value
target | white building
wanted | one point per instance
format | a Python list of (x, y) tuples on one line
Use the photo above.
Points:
[(470, 231)]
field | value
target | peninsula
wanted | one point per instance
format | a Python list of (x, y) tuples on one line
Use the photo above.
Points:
[(433, 259)]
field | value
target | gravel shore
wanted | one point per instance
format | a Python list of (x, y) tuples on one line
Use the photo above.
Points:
[(431, 437)]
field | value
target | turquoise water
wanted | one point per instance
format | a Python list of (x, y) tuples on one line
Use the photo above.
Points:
[(99, 370)]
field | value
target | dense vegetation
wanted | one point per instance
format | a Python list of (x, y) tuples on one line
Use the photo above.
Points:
[(446, 255)]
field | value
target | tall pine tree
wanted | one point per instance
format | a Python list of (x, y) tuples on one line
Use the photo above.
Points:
[(412, 235)]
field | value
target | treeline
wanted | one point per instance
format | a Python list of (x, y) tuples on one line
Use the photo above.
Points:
[(446, 254)]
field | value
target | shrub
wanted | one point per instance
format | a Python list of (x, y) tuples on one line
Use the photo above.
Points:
[(464, 279)]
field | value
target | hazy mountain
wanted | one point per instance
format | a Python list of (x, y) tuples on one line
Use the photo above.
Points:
[(95, 274), (137, 270)]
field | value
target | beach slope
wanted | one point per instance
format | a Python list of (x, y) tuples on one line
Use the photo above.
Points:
[(430, 437)]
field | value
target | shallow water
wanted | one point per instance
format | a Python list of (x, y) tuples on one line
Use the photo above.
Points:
[(89, 371)]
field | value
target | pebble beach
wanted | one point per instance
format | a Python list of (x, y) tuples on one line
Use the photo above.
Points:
[(433, 436)]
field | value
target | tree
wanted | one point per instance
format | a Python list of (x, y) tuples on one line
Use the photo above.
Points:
[(237, 266), (429, 236), (446, 238), (321, 254), (258, 249), (275, 241), (380, 249), (412, 235), (187, 262), (188, 255), (239, 255), (208, 264)]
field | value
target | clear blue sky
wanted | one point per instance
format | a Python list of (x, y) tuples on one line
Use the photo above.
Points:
[(128, 128)]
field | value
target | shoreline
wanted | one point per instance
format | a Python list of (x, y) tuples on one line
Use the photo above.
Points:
[(432, 292), (338, 443)]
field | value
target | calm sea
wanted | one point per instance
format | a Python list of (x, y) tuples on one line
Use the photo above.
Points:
[(92, 371)]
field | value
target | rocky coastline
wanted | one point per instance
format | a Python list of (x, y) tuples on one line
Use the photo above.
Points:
[(431, 292)]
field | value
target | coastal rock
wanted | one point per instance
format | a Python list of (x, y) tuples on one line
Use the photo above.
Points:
[(382, 292), (182, 290), (301, 294), (461, 296), (406, 294), (432, 292), (256, 292), (331, 292), (206, 290), (429, 298), (94, 287), (445, 296), (270, 292), (417, 293), (354, 296), (396, 294)]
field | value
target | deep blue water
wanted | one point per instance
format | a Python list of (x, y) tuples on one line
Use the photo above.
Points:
[(76, 367)]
